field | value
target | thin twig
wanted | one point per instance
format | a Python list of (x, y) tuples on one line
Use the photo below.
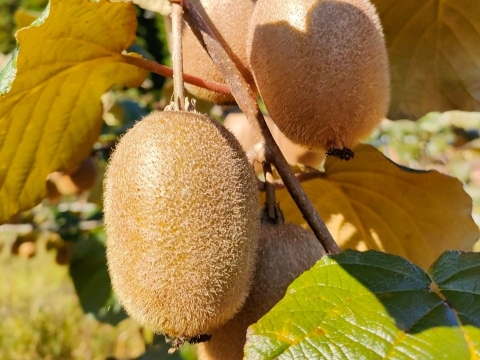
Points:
[(177, 56), (247, 102), (301, 177), (269, 189), (243, 94), (166, 71)]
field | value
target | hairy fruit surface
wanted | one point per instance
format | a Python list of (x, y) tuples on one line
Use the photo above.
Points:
[(285, 252), (182, 220), (321, 68)]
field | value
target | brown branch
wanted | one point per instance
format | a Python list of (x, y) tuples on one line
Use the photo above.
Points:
[(166, 71), (269, 190), (247, 102), (301, 177), (242, 92), (177, 56)]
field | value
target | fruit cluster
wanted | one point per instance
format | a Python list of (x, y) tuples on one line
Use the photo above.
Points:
[(188, 254)]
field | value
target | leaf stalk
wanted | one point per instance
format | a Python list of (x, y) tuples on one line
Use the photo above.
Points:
[(177, 56)]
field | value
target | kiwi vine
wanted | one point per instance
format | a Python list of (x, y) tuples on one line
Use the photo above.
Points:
[(199, 328), (189, 251)]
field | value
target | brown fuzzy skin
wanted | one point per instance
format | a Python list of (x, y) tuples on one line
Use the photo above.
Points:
[(229, 20), (182, 221), (321, 68), (285, 252), (238, 124)]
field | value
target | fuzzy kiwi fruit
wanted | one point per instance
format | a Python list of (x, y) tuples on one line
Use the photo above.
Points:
[(321, 68), (229, 21), (25, 245), (238, 124), (27, 249), (285, 252), (182, 221)]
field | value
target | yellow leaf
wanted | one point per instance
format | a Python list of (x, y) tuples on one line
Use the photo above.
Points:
[(24, 18), (50, 93), (372, 203), (434, 51)]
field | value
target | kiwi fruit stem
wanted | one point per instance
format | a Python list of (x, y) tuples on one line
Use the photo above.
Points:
[(276, 218), (270, 205), (177, 56), (246, 100)]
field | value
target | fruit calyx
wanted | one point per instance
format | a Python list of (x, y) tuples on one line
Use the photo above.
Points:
[(177, 342), (277, 219), (343, 154)]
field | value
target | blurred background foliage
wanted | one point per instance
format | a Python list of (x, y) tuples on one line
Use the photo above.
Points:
[(55, 296), (8, 24)]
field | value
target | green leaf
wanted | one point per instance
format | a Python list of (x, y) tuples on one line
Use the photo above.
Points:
[(89, 273), (374, 305), (434, 52), (50, 93), (457, 277)]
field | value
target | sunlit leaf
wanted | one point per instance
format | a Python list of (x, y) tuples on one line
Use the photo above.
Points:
[(371, 203), (24, 18), (373, 305), (160, 6), (50, 93), (434, 51), (457, 277)]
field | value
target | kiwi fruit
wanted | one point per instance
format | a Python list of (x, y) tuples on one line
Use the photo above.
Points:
[(229, 21), (321, 68), (25, 245), (285, 252), (27, 249), (73, 182), (182, 221), (238, 124)]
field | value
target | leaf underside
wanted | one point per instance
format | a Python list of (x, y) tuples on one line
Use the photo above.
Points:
[(372, 203), (434, 52)]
